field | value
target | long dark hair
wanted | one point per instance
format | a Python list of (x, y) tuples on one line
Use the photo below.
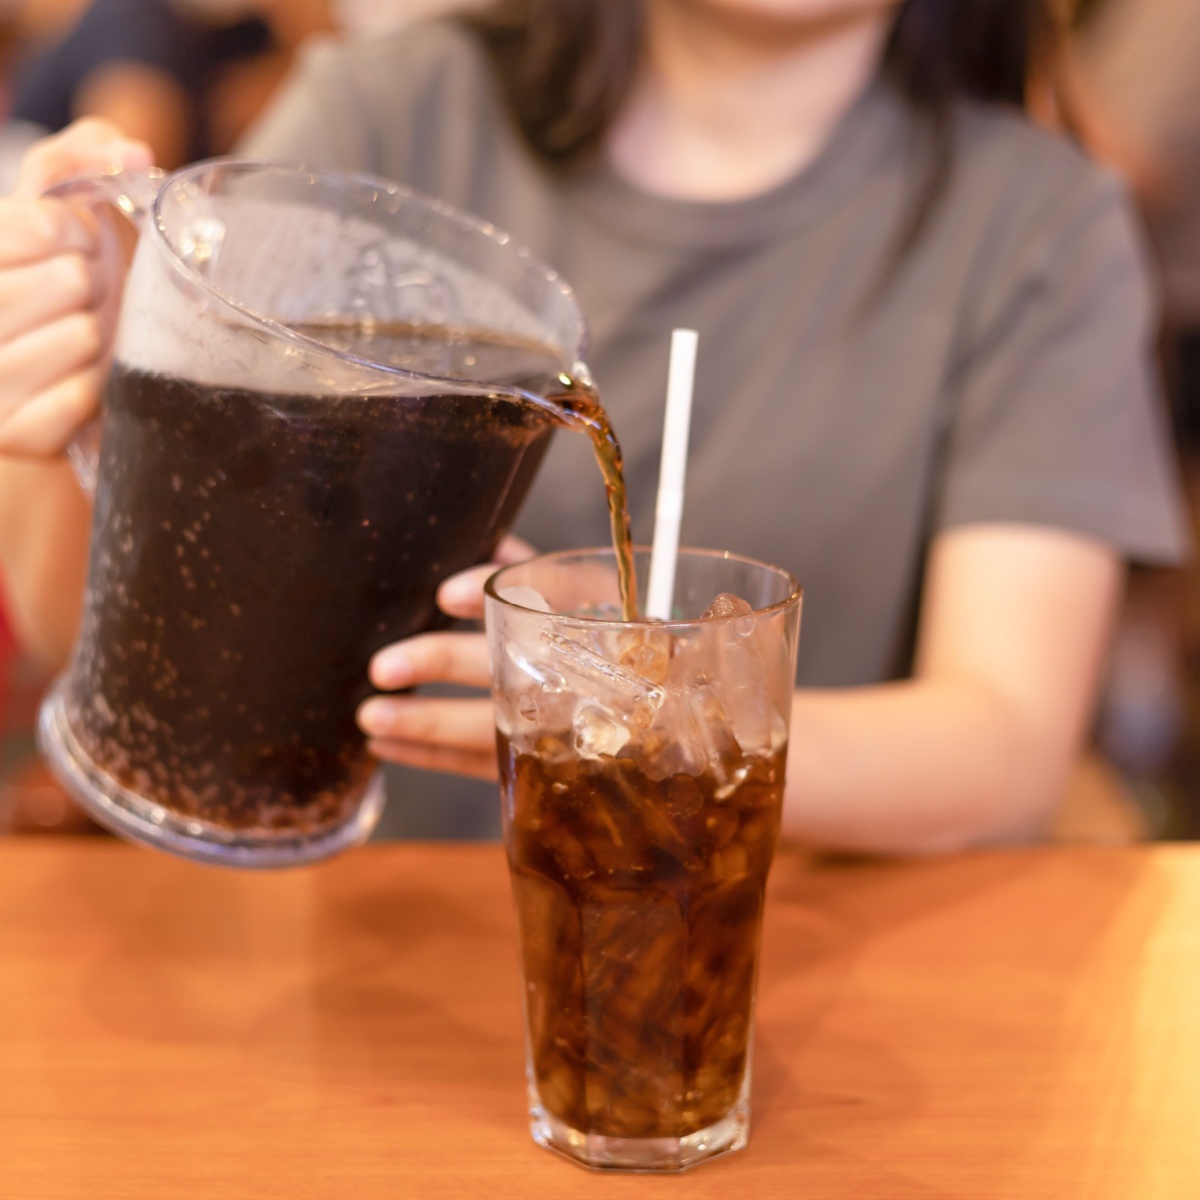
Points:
[(565, 67)]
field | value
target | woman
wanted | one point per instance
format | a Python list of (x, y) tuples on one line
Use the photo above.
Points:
[(923, 382)]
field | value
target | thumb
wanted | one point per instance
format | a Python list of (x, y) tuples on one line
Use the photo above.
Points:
[(513, 549), (462, 595), (89, 146)]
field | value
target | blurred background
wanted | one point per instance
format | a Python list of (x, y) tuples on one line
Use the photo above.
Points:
[(188, 76)]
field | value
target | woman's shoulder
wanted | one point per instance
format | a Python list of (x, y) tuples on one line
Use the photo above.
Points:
[(1023, 206), (1005, 163), (381, 103)]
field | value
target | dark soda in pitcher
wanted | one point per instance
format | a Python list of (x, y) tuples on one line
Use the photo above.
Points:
[(252, 550)]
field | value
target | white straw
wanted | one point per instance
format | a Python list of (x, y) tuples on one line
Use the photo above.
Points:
[(668, 509)]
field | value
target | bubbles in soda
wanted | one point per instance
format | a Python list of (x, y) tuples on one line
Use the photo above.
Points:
[(253, 549)]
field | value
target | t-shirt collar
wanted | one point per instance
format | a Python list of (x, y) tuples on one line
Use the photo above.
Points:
[(868, 133)]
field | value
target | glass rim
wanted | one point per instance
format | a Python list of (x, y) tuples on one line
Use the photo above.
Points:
[(792, 599), (382, 187)]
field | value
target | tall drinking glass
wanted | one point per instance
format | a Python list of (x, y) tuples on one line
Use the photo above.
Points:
[(641, 774)]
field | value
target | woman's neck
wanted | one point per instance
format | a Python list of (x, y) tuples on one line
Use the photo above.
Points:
[(728, 105)]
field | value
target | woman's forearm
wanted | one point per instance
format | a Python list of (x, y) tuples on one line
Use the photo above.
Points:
[(45, 522), (977, 747), (917, 767)]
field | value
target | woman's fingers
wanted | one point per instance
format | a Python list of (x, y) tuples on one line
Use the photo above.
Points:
[(88, 146), (34, 230), (44, 426), (58, 291), (435, 722), (462, 595), (439, 724), (59, 288), (51, 377), (439, 733), (41, 358), (432, 658), (513, 549), (38, 294), (477, 764)]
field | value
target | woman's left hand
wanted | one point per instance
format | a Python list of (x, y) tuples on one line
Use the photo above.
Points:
[(440, 733)]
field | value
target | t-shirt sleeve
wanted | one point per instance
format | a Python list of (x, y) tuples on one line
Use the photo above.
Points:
[(1055, 414)]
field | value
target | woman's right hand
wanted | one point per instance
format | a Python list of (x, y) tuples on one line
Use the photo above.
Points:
[(60, 287)]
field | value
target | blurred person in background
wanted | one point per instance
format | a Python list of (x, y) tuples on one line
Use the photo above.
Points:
[(27, 27), (925, 386), (183, 76), (1140, 60), (1138, 66)]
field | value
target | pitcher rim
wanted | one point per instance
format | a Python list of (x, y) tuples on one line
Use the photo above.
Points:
[(388, 187)]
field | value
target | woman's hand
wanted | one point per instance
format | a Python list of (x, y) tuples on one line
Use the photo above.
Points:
[(440, 733), (60, 286)]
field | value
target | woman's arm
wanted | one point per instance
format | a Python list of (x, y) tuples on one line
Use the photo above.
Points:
[(973, 750), (44, 524), (976, 747), (60, 285)]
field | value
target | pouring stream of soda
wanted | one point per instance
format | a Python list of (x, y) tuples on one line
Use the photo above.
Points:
[(579, 408), (569, 398)]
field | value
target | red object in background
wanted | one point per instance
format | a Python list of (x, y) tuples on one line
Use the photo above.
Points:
[(8, 650)]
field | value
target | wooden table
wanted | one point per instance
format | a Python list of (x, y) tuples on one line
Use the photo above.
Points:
[(1018, 1024)]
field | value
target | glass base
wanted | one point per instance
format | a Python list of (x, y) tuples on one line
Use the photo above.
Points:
[(139, 820), (594, 1150)]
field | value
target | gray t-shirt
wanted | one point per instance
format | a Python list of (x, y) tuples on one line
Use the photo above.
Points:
[(1001, 372)]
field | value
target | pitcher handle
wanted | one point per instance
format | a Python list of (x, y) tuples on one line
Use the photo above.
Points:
[(132, 194)]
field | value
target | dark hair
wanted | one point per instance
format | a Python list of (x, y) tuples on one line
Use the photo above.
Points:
[(565, 67)]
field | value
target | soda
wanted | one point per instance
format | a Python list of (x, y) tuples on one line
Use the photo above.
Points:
[(252, 550), (639, 903)]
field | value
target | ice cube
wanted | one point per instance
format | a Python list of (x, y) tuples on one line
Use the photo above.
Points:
[(668, 746), (533, 713), (648, 655), (530, 694), (715, 735), (552, 750), (779, 729), (692, 662), (731, 656), (690, 735), (537, 669), (726, 604), (745, 687), (525, 597), (598, 732), (608, 681)]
